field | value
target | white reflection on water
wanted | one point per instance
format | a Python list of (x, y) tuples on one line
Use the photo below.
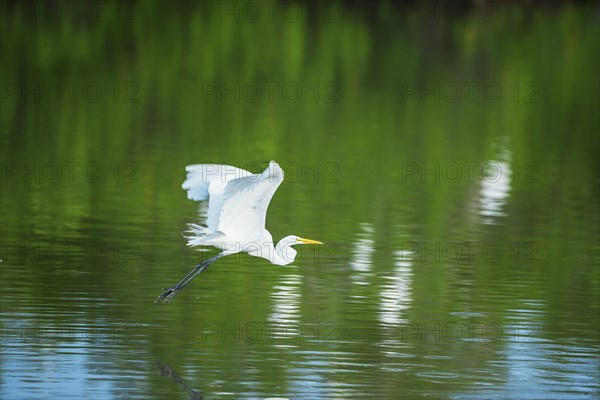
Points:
[(396, 295), (495, 186), (286, 300), (362, 254)]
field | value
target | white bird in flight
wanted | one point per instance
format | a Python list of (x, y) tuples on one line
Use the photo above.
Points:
[(237, 209)]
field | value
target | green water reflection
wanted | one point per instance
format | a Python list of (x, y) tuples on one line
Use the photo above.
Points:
[(450, 166)]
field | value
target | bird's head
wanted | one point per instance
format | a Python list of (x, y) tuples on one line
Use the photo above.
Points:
[(285, 250)]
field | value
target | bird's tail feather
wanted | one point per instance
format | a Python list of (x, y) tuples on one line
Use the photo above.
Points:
[(198, 235)]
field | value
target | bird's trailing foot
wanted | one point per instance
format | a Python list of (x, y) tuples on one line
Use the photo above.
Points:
[(168, 294)]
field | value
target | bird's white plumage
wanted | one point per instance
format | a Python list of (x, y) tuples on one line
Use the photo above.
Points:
[(237, 207), (207, 182), (237, 211), (246, 199)]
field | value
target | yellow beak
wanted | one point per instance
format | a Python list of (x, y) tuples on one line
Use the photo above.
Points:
[(308, 241)]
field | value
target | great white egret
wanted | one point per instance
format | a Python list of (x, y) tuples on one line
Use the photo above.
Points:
[(237, 209)]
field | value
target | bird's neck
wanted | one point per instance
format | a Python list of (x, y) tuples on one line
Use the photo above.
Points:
[(284, 254)]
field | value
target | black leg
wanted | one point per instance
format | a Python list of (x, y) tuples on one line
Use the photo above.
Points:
[(170, 293)]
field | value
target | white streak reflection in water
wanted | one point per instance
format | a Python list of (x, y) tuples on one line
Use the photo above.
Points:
[(495, 187), (396, 295), (286, 300), (362, 254)]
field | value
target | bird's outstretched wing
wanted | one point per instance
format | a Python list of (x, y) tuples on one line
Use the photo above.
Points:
[(207, 182), (246, 200)]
